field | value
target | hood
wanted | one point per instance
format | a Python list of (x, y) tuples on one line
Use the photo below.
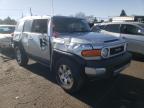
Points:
[(89, 37)]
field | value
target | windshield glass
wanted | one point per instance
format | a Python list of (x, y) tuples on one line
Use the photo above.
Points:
[(70, 25), (6, 29)]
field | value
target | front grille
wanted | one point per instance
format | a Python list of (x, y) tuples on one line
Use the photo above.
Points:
[(116, 50)]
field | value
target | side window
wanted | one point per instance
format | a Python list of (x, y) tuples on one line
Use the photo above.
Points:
[(130, 29), (95, 28), (27, 26), (19, 27), (102, 27), (40, 26), (113, 28)]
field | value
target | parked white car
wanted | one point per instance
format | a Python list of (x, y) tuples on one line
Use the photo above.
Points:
[(133, 32), (6, 35)]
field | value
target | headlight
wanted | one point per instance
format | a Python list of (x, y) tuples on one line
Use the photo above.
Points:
[(105, 52), (80, 47), (86, 47)]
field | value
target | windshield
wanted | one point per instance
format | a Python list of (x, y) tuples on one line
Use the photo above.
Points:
[(6, 29), (70, 25)]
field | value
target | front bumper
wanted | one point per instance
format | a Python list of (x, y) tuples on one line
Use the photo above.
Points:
[(107, 67)]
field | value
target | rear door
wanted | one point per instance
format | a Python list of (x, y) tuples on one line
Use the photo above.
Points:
[(134, 37)]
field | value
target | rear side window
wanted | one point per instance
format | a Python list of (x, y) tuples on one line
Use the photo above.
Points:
[(113, 28), (130, 29), (27, 26), (40, 26)]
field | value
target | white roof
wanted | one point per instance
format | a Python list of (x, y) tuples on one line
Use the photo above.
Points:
[(121, 23)]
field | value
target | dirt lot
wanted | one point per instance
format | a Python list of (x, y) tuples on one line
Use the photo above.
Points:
[(34, 86)]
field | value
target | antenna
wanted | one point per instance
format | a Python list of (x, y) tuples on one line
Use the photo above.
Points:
[(31, 12), (52, 8)]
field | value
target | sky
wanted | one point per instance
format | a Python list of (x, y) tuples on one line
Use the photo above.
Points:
[(98, 8)]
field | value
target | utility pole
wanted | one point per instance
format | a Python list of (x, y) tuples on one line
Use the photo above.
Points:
[(31, 12)]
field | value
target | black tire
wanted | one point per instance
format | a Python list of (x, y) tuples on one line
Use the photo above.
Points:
[(75, 75), (22, 59)]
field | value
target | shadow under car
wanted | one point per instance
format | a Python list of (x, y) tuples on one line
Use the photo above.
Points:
[(121, 92)]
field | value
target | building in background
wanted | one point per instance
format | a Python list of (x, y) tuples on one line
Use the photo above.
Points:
[(128, 19)]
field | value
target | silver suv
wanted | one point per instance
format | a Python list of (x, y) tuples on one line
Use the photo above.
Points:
[(70, 49)]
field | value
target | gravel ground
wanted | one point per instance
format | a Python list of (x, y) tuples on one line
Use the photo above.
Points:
[(34, 86)]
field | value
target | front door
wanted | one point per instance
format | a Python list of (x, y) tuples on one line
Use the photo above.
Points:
[(134, 38), (39, 40)]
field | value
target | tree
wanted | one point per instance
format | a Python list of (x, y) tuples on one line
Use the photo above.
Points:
[(102, 21), (80, 15), (8, 20), (110, 20), (1, 21), (95, 20), (123, 13), (91, 19)]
